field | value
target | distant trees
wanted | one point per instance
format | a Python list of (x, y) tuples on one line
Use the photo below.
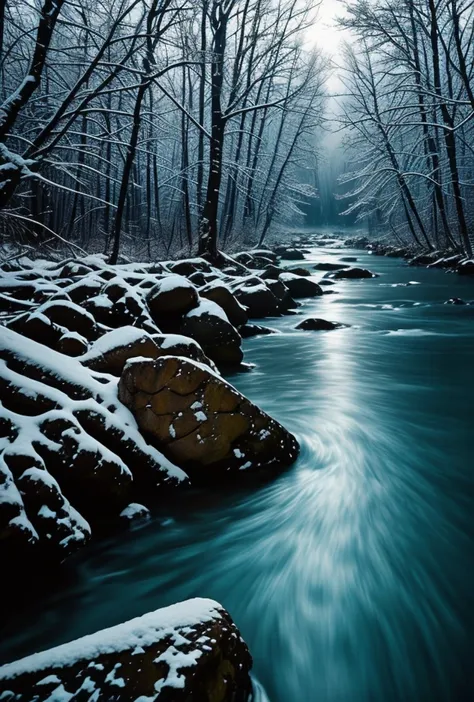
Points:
[(408, 107), (155, 125)]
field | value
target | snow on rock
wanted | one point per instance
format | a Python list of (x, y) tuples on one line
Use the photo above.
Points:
[(201, 421), (172, 295), (187, 651), (208, 307), (300, 286), (134, 512), (111, 352), (66, 433), (209, 326), (220, 294), (256, 296), (71, 454)]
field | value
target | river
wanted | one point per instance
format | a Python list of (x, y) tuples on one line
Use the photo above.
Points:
[(350, 575)]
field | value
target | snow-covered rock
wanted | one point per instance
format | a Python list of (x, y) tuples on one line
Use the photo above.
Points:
[(299, 286), (135, 512), (209, 326), (172, 295), (188, 651), (257, 297), (200, 420), (219, 293), (66, 433)]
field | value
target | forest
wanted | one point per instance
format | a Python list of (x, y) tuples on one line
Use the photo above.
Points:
[(236, 333), (188, 126)]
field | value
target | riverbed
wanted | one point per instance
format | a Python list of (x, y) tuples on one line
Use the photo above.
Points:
[(350, 575)]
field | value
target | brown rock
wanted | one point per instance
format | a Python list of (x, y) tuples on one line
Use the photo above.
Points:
[(202, 422), (110, 353), (189, 652)]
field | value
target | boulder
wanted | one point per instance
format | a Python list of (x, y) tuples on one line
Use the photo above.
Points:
[(201, 421), (301, 271), (466, 268), (257, 297), (199, 279), (190, 266), (353, 274), (256, 258), (249, 330), (39, 328), (209, 325), (449, 262), (188, 652), (72, 344), (359, 242), (83, 290), (74, 269), (265, 253), (289, 253), (328, 266), (282, 293), (12, 305), (171, 296), (348, 259), (300, 287), (110, 353), (70, 316), (222, 296), (178, 345), (316, 324), (270, 272), (59, 526), (70, 452)]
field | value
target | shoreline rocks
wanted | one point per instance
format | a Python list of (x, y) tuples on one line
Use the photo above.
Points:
[(188, 652)]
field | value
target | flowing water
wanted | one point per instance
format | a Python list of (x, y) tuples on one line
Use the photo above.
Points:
[(350, 575)]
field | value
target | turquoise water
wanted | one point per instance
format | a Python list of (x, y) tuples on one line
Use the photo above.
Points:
[(351, 574)]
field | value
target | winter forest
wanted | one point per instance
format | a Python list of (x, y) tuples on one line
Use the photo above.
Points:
[(236, 350), (161, 127)]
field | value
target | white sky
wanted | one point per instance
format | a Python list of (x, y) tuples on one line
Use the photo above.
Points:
[(324, 33), (327, 36)]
